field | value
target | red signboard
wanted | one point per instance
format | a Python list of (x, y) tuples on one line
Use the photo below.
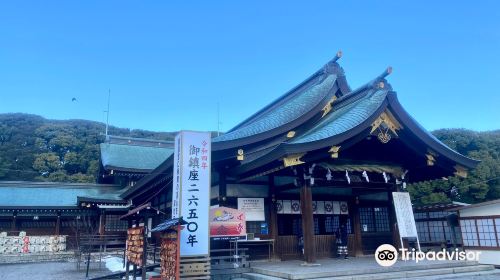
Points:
[(227, 222)]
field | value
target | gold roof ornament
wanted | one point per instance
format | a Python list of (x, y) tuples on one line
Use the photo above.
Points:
[(334, 151), (384, 123), (328, 107), (430, 159), (290, 134), (293, 160), (241, 155), (460, 171)]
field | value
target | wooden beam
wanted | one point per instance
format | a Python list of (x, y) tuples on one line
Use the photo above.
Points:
[(307, 222)]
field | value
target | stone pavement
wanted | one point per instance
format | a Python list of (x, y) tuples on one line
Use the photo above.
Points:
[(364, 268), (48, 271)]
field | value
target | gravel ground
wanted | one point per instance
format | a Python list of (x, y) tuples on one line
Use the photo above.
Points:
[(49, 270)]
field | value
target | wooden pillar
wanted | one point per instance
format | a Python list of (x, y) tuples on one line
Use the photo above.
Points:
[(307, 222), (58, 224), (358, 242), (273, 215), (14, 222), (392, 220), (222, 188), (102, 222)]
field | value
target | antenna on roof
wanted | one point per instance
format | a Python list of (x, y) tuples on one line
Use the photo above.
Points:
[(218, 119), (107, 114)]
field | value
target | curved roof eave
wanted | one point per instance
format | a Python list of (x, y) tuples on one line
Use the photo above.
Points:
[(426, 137), (339, 84), (332, 66), (161, 169), (285, 149)]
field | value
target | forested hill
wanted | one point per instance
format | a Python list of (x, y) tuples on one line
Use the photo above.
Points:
[(35, 148), (483, 183)]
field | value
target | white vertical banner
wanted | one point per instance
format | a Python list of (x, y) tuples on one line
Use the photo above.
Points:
[(194, 165), (404, 214), (176, 178)]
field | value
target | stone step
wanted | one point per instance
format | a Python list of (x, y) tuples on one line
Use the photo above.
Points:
[(467, 275), (351, 270), (415, 273)]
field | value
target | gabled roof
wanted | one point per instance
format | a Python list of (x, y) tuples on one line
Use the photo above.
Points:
[(133, 158), (351, 117), (290, 110), (33, 194), (322, 112)]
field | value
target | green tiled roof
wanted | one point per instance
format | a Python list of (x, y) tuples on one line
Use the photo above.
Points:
[(285, 111), (345, 118), (53, 194), (132, 157)]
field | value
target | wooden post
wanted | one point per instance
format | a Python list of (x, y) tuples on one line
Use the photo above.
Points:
[(102, 222), (392, 220), (358, 243), (273, 215), (58, 224), (14, 222), (307, 222)]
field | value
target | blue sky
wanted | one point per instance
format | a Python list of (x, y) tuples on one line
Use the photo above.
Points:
[(169, 63)]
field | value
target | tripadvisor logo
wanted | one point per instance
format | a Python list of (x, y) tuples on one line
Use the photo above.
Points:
[(387, 255)]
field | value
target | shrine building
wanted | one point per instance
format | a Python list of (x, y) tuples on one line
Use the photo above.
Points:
[(319, 155)]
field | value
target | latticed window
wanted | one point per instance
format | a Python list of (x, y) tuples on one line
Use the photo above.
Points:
[(366, 219), (486, 232), (113, 223), (381, 219), (374, 219), (423, 231), (436, 231), (469, 232), (331, 224)]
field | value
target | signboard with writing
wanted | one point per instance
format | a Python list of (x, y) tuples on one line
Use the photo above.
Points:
[(135, 245), (404, 214), (192, 170), (253, 208), (227, 222)]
